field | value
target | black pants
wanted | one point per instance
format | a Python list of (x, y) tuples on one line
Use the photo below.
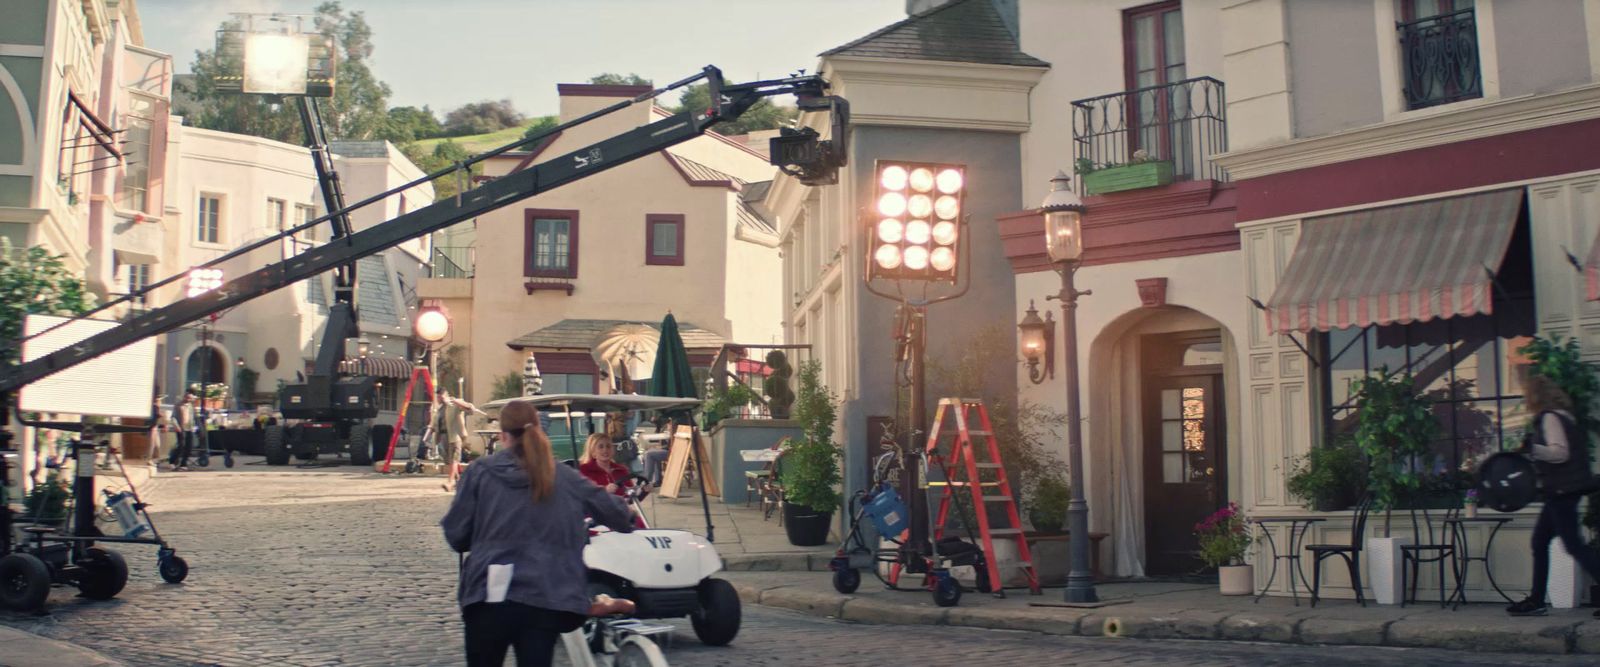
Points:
[(180, 449), (493, 628), (1559, 518)]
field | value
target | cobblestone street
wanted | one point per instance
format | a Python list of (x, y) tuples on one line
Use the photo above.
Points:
[(334, 567)]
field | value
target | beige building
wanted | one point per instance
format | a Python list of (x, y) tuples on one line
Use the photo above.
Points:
[(683, 231)]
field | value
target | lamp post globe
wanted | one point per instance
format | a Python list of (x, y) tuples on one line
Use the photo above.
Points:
[(1063, 221)]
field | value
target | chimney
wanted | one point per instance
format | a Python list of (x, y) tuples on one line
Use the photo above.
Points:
[(578, 99)]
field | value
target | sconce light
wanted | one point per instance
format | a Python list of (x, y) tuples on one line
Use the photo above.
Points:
[(1036, 339)]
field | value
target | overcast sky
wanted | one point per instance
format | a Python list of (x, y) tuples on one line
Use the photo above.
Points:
[(445, 53)]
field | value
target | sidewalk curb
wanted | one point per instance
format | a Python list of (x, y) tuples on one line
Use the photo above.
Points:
[(25, 649), (1557, 637), (776, 562)]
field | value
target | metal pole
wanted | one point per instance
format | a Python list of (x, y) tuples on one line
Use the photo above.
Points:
[(1080, 580), (204, 437), (915, 447)]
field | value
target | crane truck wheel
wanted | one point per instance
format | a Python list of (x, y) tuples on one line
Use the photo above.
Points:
[(360, 445), (275, 446)]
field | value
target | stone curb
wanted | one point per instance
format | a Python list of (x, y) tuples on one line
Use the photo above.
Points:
[(1557, 636), (25, 649), (776, 562)]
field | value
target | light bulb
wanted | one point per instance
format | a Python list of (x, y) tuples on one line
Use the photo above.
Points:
[(944, 232), (922, 179), (916, 258), (947, 207), (892, 204), (920, 206), (887, 256), (890, 230), (950, 181), (943, 259), (893, 178), (917, 232)]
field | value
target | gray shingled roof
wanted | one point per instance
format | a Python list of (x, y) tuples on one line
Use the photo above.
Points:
[(375, 302), (968, 31), (702, 172), (581, 335)]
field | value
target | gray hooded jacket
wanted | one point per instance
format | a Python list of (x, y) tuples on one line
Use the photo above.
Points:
[(494, 517)]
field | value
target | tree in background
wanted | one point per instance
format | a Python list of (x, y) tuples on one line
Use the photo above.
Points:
[(763, 115), (34, 282), (539, 126), (358, 109), (408, 124), (481, 118), (612, 79), (452, 366), (443, 154), (506, 386)]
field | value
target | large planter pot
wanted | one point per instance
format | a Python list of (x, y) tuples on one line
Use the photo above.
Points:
[(1127, 177), (1236, 579), (1382, 555), (1567, 580), (805, 526)]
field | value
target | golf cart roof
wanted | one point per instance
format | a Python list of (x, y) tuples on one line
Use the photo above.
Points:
[(598, 402)]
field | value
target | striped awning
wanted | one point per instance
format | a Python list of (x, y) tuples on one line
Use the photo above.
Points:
[(1397, 264), (377, 365), (1591, 271)]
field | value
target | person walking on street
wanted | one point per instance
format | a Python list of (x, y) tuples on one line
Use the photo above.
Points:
[(183, 425), (1560, 452), (519, 518), (455, 435)]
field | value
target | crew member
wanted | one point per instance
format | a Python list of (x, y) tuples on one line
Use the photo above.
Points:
[(1560, 452)]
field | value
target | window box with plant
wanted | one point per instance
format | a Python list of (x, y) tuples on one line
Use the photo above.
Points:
[(726, 403), (1224, 540), (810, 472), (1141, 172)]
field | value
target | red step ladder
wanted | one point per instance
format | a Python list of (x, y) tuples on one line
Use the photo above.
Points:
[(421, 375), (986, 481)]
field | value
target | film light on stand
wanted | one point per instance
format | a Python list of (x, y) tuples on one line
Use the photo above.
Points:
[(915, 221), (203, 280)]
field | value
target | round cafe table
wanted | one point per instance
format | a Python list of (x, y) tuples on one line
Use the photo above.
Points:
[(1463, 554)]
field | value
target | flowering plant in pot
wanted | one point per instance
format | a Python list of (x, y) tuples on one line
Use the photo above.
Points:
[(1224, 539), (1469, 507)]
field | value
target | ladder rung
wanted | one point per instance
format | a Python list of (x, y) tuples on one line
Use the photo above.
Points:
[(979, 433), (988, 484), (995, 498), (988, 466), (1005, 531)]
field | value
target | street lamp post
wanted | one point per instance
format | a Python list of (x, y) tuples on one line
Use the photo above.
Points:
[(1063, 222)]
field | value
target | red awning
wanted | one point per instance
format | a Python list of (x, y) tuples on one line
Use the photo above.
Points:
[(1397, 264), (377, 366)]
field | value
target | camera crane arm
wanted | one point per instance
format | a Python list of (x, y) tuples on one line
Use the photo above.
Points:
[(806, 155)]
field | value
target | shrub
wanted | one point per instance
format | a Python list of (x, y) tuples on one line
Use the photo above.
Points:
[(811, 462)]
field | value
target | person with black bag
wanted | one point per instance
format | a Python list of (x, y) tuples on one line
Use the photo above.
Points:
[(1560, 453)]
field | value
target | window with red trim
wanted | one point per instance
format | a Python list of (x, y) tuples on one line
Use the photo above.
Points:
[(550, 247), (663, 239)]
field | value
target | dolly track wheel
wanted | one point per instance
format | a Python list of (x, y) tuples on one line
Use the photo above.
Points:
[(174, 569), (24, 582), (716, 622), (846, 580), (275, 446), (104, 574), (947, 592)]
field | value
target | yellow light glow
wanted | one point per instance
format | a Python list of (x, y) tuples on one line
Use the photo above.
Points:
[(432, 326), (916, 258), (944, 232), (890, 230), (943, 259), (920, 206), (947, 207), (950, 181), (917, 232), (887, 256), (922, 179), (893, 178), (892, 204)]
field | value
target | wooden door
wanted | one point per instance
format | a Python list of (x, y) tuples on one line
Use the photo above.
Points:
[(1184, 470)]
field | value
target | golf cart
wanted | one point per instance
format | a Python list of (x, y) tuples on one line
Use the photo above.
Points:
[(666, 573)]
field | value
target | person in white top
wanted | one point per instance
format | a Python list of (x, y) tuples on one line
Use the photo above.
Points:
[(1560, 451)]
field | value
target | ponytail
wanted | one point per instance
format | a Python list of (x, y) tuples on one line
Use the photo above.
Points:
[(532, 448)]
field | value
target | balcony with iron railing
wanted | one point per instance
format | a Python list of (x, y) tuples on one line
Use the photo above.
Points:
[(1440, 59), (1150, 136), (452, 262)]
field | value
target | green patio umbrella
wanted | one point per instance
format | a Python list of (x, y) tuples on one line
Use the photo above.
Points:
[(673, 378)]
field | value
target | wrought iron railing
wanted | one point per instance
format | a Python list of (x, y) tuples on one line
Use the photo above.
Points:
[(1440, 59), (747, 365), (1184, 122), (453, 262)]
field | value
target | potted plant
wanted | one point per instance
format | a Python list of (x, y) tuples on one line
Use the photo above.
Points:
[(1224, 538), (725, 403), (1047, 508), (1469, 504), (776, 386), (810, 463), (46, 504), (1394, 427), (1328, 479), (1142, 171)]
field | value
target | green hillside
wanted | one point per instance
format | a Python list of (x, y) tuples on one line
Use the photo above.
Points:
[(477, 143)]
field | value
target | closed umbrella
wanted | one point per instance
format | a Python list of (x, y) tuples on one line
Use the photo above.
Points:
[(673, 378)]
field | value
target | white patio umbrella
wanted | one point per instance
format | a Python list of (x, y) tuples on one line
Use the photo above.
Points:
[(631, 346)]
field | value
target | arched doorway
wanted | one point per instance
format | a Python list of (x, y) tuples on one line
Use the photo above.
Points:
[(206, 364)]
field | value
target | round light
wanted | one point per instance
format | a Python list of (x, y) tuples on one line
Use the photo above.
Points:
[(893, 178), (887, 256), (949, 181), (943, 259), (922, 179), (944, 232), (432, 326), (917, 231), (890, 230), (892, 204), (920, 206), (916, 258), (947, 207)]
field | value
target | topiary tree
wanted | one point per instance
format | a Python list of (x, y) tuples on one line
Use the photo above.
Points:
[(1394, 426), (811, 462), (776, 386)]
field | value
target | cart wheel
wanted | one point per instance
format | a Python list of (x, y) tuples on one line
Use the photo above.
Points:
[(411, 467), (204, 460), (174, 569), (846, 580), (360, 445), (104, 574), (638, 651), (24, 582), (947, 593), (227, 460), (716, 621), (274, 446)]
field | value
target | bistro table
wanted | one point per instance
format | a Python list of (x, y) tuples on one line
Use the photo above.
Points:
[(1464, 557), (1298, 527)]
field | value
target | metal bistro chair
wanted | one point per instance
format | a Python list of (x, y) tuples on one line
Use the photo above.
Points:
[(1414, 555), (755, 480), (1351, 553), (772, 491)]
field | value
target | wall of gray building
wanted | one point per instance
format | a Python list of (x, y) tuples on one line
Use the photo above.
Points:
[(1543, 46), (994, 187), (1333, 64)]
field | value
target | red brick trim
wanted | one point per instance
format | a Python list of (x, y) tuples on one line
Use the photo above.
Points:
[(650, 220), (597, 90), (571, 216)]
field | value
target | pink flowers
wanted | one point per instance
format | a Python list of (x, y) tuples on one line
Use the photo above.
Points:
[(1224, 536)]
